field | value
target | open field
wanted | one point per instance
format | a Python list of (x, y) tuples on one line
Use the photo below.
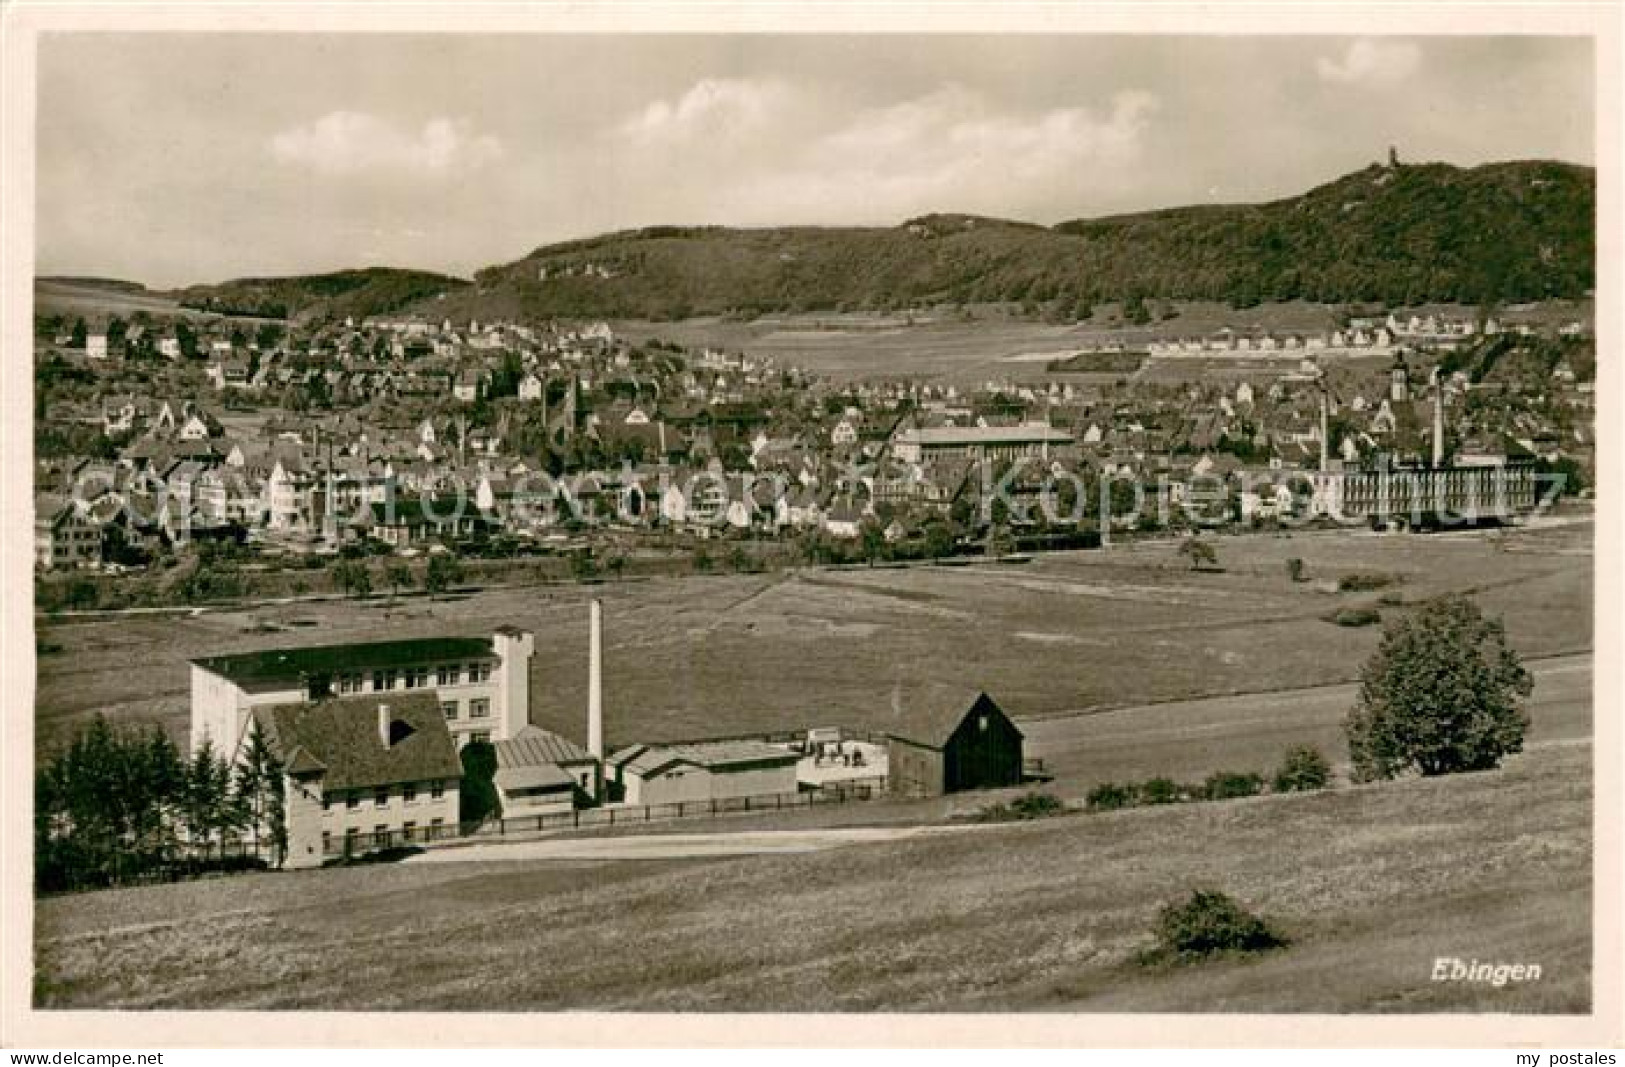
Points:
[(732, 654), (1189, 739), (942, 345), (97, 302), (1370, 884)]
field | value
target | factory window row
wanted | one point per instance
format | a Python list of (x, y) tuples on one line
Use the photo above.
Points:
[(351, 799), (384, 680)]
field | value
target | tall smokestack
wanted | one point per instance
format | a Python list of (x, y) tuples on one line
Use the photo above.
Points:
[(1438, 420), (383, 724), (595, 684)]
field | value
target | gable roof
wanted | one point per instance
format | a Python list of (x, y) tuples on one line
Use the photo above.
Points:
[(533, 746), (290, 664), (339, 739), (929, 715), (712, 755)]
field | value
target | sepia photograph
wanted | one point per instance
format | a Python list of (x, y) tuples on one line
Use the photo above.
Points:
[(546, 519)]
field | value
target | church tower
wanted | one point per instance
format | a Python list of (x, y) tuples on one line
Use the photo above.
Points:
[(1399, 381)]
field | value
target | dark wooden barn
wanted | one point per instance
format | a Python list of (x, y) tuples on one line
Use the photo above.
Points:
[(945, 741)]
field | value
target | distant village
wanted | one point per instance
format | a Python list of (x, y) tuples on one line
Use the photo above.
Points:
[(412, 436)]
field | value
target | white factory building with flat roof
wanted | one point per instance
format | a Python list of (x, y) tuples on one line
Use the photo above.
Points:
[(482, 684)]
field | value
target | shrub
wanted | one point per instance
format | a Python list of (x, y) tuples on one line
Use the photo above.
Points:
[(1355, 616), (1304, 769), (1210, 923), (1364, 581), (1225, 785), (1160, 791), (1037, 805), (1031, 806), (1295, 570), (1392, 599), (1109, 796)]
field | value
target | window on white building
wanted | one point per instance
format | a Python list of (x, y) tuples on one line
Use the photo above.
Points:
[(409, 792), (479, 708), (450, 675), (448, 708), (380, 797), (437, 789)]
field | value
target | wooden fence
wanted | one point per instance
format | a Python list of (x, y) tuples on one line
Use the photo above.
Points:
[(362, 844)]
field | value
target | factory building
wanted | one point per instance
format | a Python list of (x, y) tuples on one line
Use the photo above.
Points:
[(481, 684), (363, 772), (919, 445)]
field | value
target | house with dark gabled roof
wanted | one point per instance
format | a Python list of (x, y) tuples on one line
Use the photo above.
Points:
[(944, 740), (363, 773)]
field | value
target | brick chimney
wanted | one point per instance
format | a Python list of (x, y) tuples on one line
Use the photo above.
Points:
[(383, 724)]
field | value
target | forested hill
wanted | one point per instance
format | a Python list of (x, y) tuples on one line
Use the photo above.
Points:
[(1403, 235), (358, 293)]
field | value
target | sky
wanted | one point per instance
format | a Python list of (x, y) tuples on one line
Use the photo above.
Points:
[(174, 159)]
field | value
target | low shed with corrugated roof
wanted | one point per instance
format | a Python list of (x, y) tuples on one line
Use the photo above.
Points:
[(701, 770)]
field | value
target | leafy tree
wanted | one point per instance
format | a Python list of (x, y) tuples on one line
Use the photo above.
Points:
[(999, 541), (873, 540), (1199, 552), (352, 576), (398, 575), (79, 333), (939, 539), (1441, 694), (477, 798), (186, 339)]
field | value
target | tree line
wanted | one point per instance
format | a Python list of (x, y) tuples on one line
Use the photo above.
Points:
[(120, 803)]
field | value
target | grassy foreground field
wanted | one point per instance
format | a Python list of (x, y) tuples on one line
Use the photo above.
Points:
[(730, 654), (1371, 884)]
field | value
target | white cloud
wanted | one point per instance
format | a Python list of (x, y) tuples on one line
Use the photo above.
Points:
[(353, 142), (712, 108), (1371, 62), (768, 152)]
